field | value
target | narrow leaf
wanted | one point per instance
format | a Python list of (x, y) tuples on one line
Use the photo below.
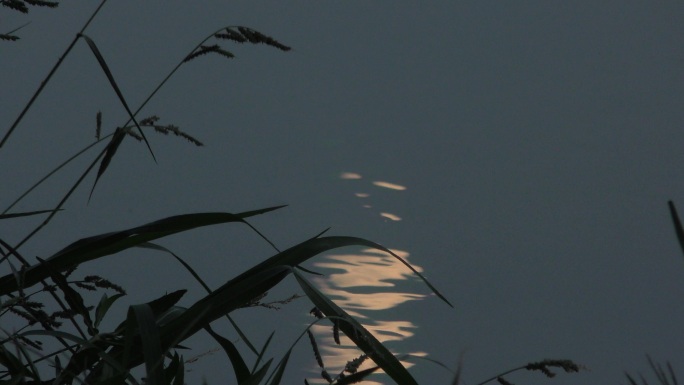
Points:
[(103, 307), (112, 82), (25, 214), (239, 367), (280, 370), (109, 152), (98, 246), (679, 230), (256, 378), (263, 351), (151, 347)]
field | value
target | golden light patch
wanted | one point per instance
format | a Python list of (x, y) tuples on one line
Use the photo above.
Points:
[(350, 175), (390, 216), (389, 185)]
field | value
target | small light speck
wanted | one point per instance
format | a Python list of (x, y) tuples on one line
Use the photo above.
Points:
[(350, 175), (362, 195)]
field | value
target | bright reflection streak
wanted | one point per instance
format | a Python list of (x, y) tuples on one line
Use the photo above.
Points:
[(362, 195), (366, 286), (389, 185), (391, 216), (350, 175)]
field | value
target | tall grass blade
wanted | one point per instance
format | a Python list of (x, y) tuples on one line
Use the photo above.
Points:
[(179, 379), (239, 367), (358, 334), (48, 175), (32, 371), (459, 371), (11, 363), (223, 300), (220, 302), (103, 307), (48, 77), (679, 230), (159, 307), (262, 352), (26, 214), (252, 283), (78, 361), (280, 370), (153, 246), (112, 82), (256, 378), (109, 152), (171, 369), (151, 347), (98, 246)]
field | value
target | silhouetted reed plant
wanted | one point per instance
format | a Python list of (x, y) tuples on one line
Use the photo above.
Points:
[(39, 297)]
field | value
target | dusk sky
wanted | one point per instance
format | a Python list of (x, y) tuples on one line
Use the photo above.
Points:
[(521, 154)]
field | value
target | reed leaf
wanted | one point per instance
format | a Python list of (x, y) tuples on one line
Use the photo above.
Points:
[(679, 230), (48, 77), (98, 246), (280, 370), (239, 367), (262, 351), (109, 152), (93, 349), (26, 214), (103, 306), (256, 378), (112, 82), (11, 363), (151, 346), (243, 336)]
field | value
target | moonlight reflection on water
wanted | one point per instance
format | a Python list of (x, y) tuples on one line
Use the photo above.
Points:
[(367, 285)]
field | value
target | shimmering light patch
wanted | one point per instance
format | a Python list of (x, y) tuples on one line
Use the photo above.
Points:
[(390, 216), (389, 185), (367, 206), (368, 281), (362, 195), (350, 175)]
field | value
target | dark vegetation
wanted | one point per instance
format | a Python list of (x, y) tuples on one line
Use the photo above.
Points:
[(38, 298)]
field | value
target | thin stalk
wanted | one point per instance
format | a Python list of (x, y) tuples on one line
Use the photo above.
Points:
[(43, 179), (49, 76), (63, 201), (173, 71)]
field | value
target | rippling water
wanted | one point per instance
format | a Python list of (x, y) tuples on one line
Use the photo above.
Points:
[(368, 286)]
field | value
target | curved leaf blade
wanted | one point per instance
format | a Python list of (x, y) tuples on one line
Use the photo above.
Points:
[(98, 246), (112, 82), (151, 347), (239, 366), (679, 230)]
